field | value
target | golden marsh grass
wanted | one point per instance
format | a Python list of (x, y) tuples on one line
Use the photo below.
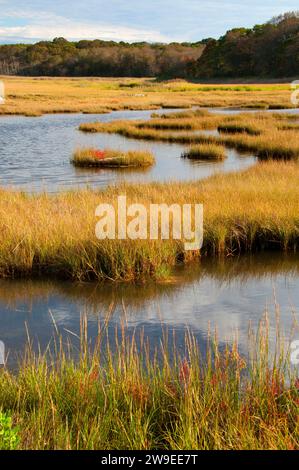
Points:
[(109, 158), (205, 152), (256, 209), (262, 134), (39, 95)]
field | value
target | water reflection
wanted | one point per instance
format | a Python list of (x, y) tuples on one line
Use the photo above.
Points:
[(227, 294)]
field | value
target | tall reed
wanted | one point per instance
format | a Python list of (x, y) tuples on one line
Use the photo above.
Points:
[(118, 395)]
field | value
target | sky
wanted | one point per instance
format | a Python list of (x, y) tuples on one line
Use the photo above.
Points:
[(132, 20)]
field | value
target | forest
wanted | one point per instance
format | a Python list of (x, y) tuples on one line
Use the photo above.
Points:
[(267, 50), (98, 58)]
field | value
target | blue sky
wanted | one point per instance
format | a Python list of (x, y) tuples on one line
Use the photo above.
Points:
[(132, 20)]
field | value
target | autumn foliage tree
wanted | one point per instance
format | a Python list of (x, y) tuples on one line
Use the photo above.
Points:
[(267, 50)]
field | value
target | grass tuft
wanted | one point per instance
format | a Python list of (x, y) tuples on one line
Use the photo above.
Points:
[(205, 152), (90, 157)]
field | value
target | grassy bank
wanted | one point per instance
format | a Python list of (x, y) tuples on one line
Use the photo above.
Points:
[(264, 135), (127, 399), (256, 209), (109, 158), (36, 96)]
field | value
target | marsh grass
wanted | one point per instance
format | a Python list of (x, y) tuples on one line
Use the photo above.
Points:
[(231, 128), (117, 394), (194, 122), (205, 152), (254, 210), (277, 144), (179, 124), (264, 135), (39, 95), (182, 114), (176, 104), (289, 127), (108, 158)]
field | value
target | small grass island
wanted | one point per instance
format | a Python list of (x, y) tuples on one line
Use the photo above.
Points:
[(211, 152), (108, 158)]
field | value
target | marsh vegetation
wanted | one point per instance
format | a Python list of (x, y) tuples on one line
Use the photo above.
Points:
[(57, 235), (205, 152), (264, 134), (109, 158), (94, 398), (131, 400), (37, 96)]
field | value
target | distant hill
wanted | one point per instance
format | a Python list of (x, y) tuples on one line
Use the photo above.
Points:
[(267, 50)]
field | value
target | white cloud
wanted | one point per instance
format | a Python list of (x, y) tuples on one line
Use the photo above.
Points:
[(152, 20), (43, 25)]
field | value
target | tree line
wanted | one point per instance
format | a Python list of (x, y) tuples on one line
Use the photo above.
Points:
[(98, 58), (267, 50)]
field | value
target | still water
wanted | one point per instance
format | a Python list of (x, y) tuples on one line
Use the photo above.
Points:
[(228, 294), (35, 154)]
